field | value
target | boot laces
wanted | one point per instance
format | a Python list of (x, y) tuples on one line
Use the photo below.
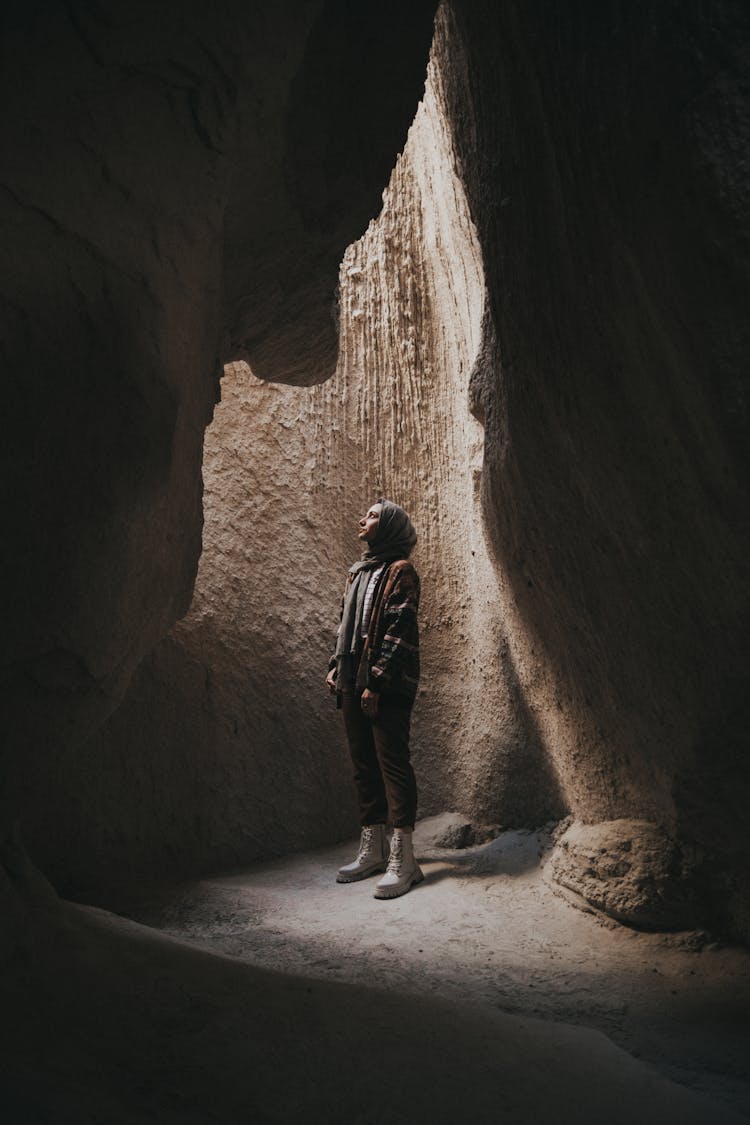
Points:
[(396, 858), (366, 843)]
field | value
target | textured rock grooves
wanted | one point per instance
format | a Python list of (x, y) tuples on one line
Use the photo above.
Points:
[(251, 758), (159, 216), (572, 264), (154, 196)]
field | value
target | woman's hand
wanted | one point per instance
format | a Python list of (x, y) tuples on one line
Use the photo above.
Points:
[(331, 681), (370, 700)]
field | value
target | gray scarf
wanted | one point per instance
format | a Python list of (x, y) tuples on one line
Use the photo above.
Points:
[(395, 540)]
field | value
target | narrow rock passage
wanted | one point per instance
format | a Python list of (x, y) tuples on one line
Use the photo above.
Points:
[(487, 930)]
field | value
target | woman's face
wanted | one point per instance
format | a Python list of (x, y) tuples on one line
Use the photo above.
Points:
[(368, 525)]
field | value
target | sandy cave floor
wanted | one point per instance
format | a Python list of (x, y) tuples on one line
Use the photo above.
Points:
[(484, 929), (274, 994)]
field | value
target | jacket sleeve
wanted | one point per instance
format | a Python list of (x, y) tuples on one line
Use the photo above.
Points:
[(398, 654)]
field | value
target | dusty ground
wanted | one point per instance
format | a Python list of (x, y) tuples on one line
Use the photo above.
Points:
[(275, 995), (486, 935)]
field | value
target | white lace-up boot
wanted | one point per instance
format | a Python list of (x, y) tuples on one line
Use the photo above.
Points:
[(371, 857), (403, 871)]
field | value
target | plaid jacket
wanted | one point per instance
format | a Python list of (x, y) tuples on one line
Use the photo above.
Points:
[(390, 654)]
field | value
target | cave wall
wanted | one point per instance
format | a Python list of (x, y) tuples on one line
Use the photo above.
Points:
[(138, 142), (166, 207), (603, 151), (152, 177), (227, 745), (412, 322)]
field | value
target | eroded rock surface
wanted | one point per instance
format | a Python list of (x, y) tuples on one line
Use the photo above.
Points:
[(629, 869), (228, 718), (160, 214), (603, 158), (139, 144)]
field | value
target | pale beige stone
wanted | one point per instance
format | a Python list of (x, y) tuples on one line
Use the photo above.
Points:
[(630, 869), (251, 753), (599, 329)]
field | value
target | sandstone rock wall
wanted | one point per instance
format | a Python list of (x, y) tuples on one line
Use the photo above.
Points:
[(412, 311), (168, 207), (152, 186), (154, 193), (603, 153), (227, 745)]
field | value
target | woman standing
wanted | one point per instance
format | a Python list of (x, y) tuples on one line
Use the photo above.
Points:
[(375, 672)]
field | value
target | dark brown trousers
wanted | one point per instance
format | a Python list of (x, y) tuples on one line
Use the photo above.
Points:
[(379, 747)]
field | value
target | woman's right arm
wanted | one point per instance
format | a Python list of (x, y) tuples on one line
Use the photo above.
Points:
[(331, 677)]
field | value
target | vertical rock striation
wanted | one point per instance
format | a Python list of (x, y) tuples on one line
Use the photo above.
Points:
[(412, 314), (228, 718)]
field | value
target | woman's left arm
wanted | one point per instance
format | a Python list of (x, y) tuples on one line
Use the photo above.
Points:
[(399, 648)]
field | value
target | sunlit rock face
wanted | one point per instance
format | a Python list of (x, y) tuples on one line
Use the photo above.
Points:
[(227, 745), (179, 184), (602, 154), (412, 322)]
